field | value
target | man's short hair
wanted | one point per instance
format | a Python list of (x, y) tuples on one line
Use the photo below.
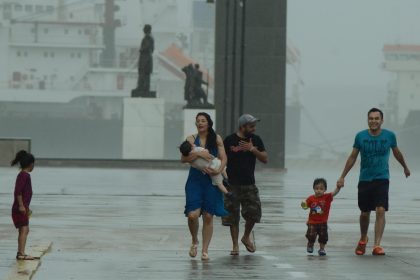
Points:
[(376, 110)]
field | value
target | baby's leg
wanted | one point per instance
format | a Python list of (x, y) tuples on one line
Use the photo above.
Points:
[(224, 174), (217, 180), (222, 188)]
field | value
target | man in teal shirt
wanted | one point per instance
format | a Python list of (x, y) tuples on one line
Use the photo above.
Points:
[(374, 145)]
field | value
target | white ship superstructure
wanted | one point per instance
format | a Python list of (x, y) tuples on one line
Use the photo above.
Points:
[(403, 61), (403, 102), (92, 45), (49, 47), (70, 64)]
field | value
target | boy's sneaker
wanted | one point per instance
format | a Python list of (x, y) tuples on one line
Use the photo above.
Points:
[(310, 248), (322, 252)]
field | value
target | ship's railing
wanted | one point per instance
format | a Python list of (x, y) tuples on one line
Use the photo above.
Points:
[(126, 63)]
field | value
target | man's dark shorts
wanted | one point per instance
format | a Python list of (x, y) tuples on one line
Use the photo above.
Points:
[(246, 197), (373, 194)]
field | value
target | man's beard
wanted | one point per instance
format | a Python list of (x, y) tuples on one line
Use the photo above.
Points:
[(248, 134)]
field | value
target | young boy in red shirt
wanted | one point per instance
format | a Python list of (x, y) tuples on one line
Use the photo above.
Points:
[(319, 205)]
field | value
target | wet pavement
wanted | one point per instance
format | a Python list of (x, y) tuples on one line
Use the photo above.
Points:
[(128, 224)]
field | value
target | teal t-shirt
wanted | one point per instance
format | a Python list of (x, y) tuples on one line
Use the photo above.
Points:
[(374, 153)]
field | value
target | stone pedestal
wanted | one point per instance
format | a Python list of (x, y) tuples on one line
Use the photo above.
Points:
[(189, 120), (143, 128)]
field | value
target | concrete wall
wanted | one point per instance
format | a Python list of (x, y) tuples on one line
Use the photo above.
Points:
[(67, 138), (9, 147), (260, 89)]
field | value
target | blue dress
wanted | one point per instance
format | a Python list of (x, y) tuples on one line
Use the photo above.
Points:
[(200, 192)]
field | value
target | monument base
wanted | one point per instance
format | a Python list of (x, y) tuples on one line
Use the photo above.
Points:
[(189, 120), (199, 106), (139, 93), (143, 128)]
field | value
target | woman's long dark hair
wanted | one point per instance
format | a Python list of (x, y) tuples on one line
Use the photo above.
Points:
[(24, 159), (211, 141)]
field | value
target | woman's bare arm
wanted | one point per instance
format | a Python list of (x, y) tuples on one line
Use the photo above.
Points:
[(221, 153)]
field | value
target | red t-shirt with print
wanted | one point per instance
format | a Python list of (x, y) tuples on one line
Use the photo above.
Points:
[(319, 208)]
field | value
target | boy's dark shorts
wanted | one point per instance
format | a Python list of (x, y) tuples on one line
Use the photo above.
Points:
[(320, 230), (373, 194), (246, 197)]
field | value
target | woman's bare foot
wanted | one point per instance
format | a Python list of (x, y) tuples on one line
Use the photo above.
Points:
[(193, 250), (205, 256)]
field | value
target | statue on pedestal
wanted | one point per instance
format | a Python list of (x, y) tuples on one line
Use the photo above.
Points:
[(145, 64), (194, 93)]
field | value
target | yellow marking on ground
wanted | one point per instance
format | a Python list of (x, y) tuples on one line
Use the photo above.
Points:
[(25, 270)]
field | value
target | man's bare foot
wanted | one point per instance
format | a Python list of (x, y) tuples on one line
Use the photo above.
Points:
[(249, 245), (235, 250)]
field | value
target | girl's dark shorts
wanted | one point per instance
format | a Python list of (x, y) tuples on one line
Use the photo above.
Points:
[(373, 194)]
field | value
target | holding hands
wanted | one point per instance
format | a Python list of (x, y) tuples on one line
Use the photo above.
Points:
[(340, 182)]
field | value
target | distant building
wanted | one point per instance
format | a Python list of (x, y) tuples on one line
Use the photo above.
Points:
[(403, 61)]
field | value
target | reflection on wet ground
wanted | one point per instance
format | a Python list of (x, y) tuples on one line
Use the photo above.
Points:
[(128, 224)]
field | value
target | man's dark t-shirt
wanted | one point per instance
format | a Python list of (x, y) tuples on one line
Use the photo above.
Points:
[(241, 164)]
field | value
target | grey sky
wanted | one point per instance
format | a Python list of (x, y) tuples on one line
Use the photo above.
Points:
[(341, 40)]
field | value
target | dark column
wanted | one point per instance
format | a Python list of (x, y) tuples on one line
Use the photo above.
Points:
[(251, 69), (109, 26)]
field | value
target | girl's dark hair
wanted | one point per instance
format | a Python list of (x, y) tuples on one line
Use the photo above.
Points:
[(320, 181), (24, 159), (211, 141)]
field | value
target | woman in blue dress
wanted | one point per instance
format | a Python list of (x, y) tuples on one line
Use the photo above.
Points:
[(202, 198)]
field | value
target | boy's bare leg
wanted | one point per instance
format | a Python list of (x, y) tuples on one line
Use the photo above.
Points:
[(322, 246)]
